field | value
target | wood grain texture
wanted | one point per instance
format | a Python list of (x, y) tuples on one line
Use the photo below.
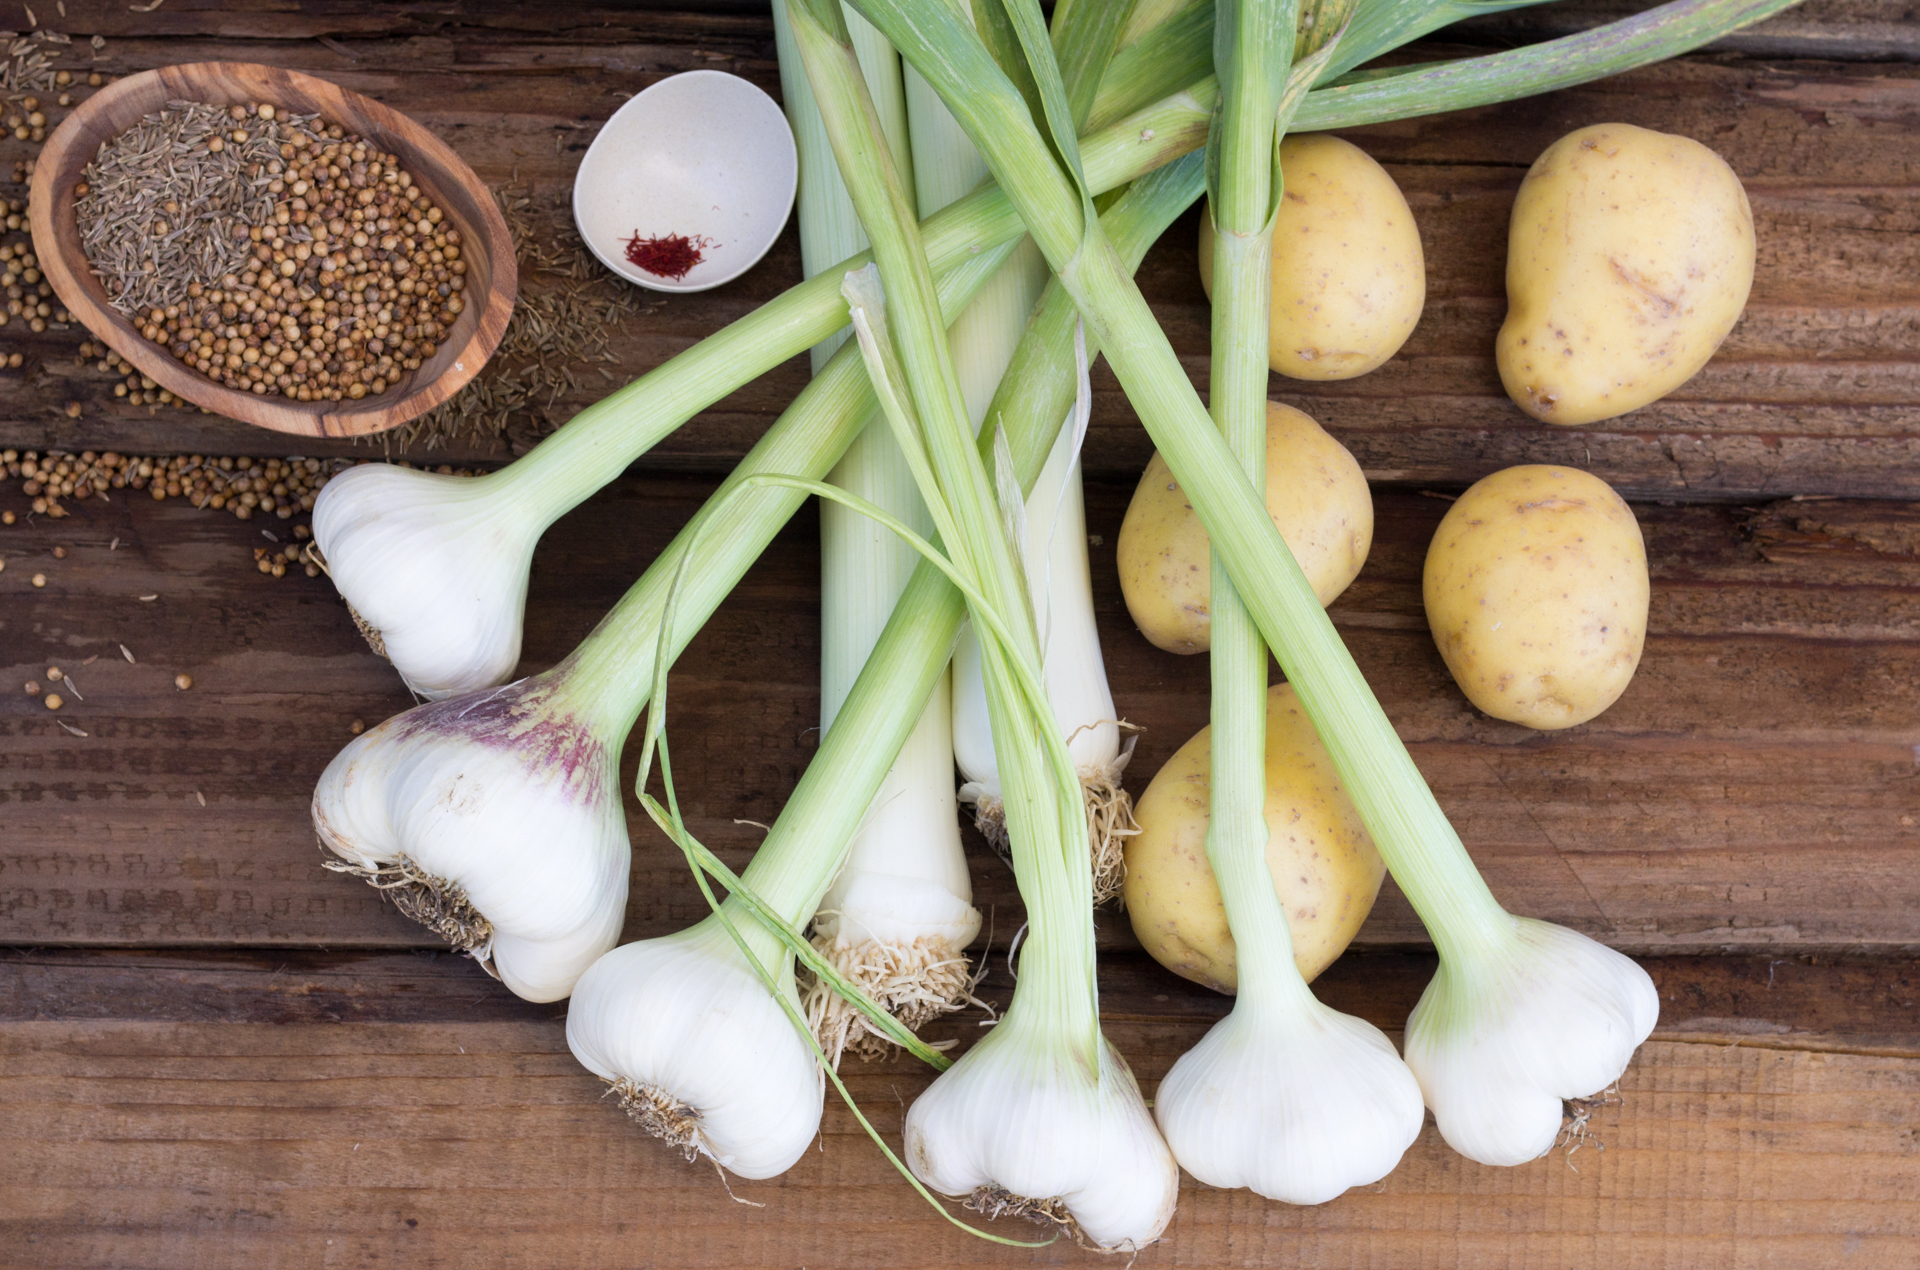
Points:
[(223, 1114), (213, 1053), (434, 168), (1754, 787)]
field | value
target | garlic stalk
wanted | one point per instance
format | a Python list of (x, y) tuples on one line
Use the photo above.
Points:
[(1053, 540), (1042, 1097), (1284, 1095), (1044, 176), (900, 914), (1054, 551)]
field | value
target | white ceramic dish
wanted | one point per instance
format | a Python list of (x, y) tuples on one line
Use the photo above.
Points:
[(704, 155)]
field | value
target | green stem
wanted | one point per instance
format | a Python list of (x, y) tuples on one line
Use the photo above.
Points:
[(934, 415), (1652, 36), (1254, 47), (611, 672)]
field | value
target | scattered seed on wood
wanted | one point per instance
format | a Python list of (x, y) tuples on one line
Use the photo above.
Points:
[(69, 727), (53, 701), (183, 682), (148, 599), (357, 727), (39, 579), (74, 688), (128, 654), (59, 553), (115, 544), (53, 673), (33, 688), (202, 797)]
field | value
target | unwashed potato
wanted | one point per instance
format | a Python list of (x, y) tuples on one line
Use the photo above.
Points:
[(1316, 494), (1629, 259), (1349, 279), (1324, 866), (1536, 592)]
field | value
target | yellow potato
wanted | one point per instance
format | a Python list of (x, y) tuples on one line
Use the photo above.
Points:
[(1349, 279), (1536, 592), (1628, 260), (1317, 497), (1324, 866)]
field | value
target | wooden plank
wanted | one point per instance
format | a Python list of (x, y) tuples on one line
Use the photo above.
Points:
[(221, 1114), (1798, 1002), (1813, 393), (1753, 787), (1818, 28)]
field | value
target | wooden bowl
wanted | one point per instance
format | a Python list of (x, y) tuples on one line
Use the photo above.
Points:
[(436, 169)]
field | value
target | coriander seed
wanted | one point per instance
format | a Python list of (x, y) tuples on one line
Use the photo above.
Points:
[(183, 681), (53, 701)]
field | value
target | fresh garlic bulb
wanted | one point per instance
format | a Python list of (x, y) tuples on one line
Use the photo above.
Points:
[(699, 1051), (434, 568), (1297, 1104), (1499, 1041), (494, 819), (1018, 1125)]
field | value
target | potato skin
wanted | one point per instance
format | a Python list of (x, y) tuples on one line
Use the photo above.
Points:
[(1536, 593), (1349, 277), (1316, 494), (1629, 259), (1325, 868)]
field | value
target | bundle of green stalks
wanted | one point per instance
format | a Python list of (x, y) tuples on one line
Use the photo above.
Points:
[(963, 386)]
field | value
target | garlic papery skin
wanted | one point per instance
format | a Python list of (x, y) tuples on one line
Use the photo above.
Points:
[(1020, 1124), (699, 1050), (1503, 1036), (434, 568), (495, 818), (1296, 1104)]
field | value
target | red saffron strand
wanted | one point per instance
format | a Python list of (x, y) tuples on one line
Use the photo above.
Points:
[(666, 256)]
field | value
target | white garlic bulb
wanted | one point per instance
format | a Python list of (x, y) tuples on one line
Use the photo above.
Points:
[(699, 1050), (1501, 1039), (1298, 1104), (1019, 1123), (434, 567), (495, 818)]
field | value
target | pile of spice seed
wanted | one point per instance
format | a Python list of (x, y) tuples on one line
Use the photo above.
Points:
[(29, 296), (243, 487), (271, 253)]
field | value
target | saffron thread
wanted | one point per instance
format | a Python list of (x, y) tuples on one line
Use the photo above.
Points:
[(667, 255)]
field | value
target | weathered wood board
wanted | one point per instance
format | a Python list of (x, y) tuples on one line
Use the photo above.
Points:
[(213, 1053), (390, 1111), (1755, 786)]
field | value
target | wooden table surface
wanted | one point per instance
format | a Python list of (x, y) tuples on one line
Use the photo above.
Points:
[(214, 1053)]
